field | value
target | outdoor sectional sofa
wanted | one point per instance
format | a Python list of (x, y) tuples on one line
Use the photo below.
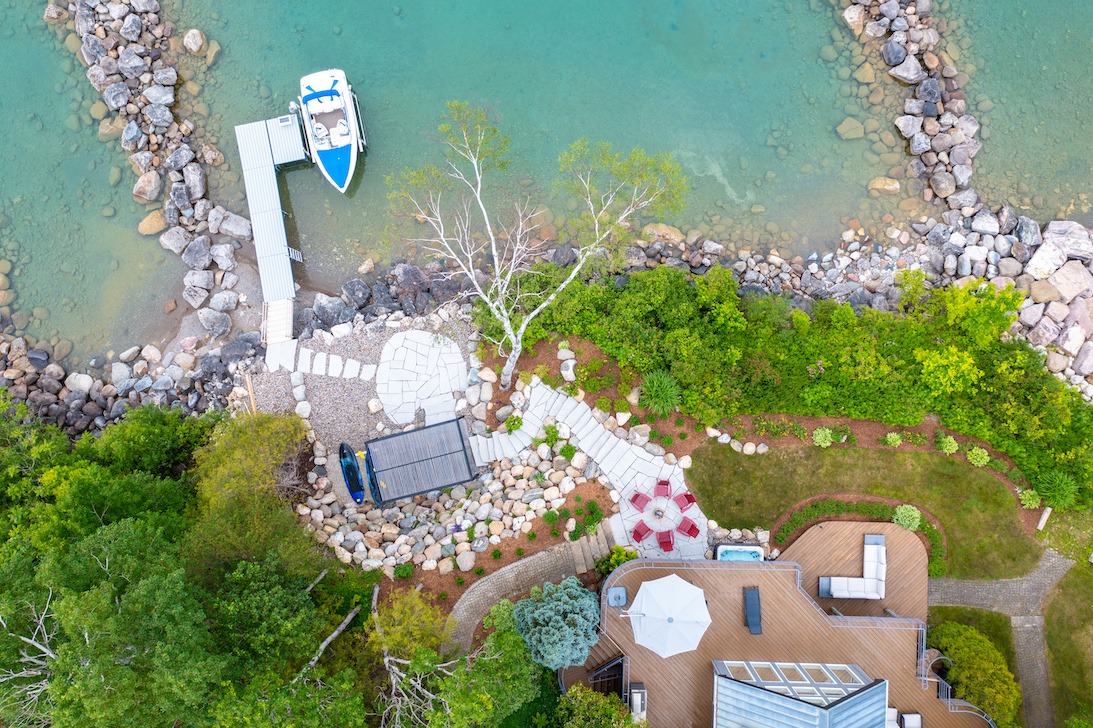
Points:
[(870, 585)]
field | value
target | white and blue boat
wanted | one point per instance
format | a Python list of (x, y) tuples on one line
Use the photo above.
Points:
[(331, 118)]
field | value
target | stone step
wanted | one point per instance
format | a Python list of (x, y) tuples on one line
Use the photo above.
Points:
[(318, 364), (304, 363), (598, 442), (586, 549), (608, 534), (578, 558), (352, 369), (601, 540), (614, 455)]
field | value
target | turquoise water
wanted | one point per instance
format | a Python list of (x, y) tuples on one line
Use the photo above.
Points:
[(1033, 89), (737, 91), (738, 554), (75, 274)]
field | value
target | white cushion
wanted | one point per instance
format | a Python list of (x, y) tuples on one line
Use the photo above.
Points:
[(870, 570), (883, 555), (331, 105), (839, 587), (880, 590), (882, 571), (857, 588)]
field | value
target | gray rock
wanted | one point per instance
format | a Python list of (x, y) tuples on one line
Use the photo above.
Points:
[(963, 198), (130, 64), (893, 53), (92, 48), (130, 136), (358, 294), (131, 28), (909, 125), (1007, 219), (119, 372), (216, 323), (929, 91), (98, 77), (166, 76), (161, 95), (1047, 259), (1071, 237), (1009, 267), (175, 239), (1044, 332), (1083, 361), (962, 173), (152, 6), (197, 254), (224, 256), (568, 369), (889, 9), (159, 114), (909, 71), (235, 226), (920, 143), (224, 301), (116, 95), (1031, 315), (194, 177), (1028, 232), (985, 223), (332, 311), (179, 196), (465, 561), (180, 157), (877, 28), (194, 295)]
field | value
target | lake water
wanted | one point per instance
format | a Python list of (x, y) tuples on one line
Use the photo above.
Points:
[(737, 91), (747, 95), (75, 273)]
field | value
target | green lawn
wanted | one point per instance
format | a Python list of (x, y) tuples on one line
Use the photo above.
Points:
[(1069, 630), (978, 515), (994, 625)]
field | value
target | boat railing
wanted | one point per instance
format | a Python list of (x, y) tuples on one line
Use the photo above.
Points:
[(360, 121)]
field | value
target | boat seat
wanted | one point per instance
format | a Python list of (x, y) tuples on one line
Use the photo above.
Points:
[(342, 129), (331, 105), (321, 131)]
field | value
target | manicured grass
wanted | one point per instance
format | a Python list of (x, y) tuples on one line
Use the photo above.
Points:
[(549, 695), (1070, 533), (978, 515), (994, 625), (1069, 630)]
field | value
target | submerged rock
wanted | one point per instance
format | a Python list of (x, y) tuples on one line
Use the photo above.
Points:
[(149, 186)]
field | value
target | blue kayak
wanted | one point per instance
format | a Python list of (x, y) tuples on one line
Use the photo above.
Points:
[(352, 472)]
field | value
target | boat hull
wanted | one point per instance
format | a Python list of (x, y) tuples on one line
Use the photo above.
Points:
[(329, 115)]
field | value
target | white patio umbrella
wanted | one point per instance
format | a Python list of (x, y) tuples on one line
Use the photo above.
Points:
[(669, 616)]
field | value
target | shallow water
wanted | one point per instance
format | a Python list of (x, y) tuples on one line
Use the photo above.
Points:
[(76, 274), (1034, 89), (737, 91)]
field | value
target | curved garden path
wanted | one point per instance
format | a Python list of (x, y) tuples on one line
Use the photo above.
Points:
[(1021, 600)]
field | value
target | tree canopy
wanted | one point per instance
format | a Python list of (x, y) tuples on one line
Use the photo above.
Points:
[(559, 623)]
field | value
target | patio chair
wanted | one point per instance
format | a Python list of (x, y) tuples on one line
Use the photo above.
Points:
[(912, 720), (753, 612), (640, 500), (663, 489), (641, 532), (684, 501), (688, 528), (666, 540)]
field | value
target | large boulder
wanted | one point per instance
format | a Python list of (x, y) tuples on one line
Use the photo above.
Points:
[(197, 254), (356, 292), (194, 41), (1071, 238), (909, 71), (332, 311), (1072, 280), (850, 128), (408, 281), (217, 323), (943, 184), (175, 239), (658, 231), (1047, 259), (194, 177), (234, 226), (180, 157), (157, 94), (116, 95)]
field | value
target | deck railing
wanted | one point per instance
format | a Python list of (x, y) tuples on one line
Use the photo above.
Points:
[(956, 705)]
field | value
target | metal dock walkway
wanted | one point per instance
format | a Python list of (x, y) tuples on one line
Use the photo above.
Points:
[(263, 147)]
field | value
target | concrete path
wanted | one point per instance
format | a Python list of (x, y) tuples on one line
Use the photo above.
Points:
[(627, 467), (420, 370), (1022, 600), (554, 564)]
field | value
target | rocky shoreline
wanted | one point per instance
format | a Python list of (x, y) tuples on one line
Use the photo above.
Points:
[(131, 57)]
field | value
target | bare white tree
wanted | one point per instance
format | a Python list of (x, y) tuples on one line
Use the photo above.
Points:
[(460, 228), (25, 691)]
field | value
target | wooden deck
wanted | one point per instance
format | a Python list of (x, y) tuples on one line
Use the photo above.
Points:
[(795, 629), (835, 548)]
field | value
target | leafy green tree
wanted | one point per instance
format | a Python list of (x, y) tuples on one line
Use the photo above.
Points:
[(265, 620), (409, 622), (559, 623), (141, 657), (585, 708), (149, 439), (86, 496), (453, 202), (493, 683), (27, 448), (312, 702), (979, 673)]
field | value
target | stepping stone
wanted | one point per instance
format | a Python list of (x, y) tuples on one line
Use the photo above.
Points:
[(368, 371), (334, 366), (319, 365), (304, 365), (352, 369)]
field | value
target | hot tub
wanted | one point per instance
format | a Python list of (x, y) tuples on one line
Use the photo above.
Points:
[(738, 552)]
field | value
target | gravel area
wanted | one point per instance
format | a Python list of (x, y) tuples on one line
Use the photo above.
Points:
[(339, 407)]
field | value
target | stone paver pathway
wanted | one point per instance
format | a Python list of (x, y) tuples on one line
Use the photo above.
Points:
[(419, 370), (553, 564), (625, 466), (1022, 600)]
